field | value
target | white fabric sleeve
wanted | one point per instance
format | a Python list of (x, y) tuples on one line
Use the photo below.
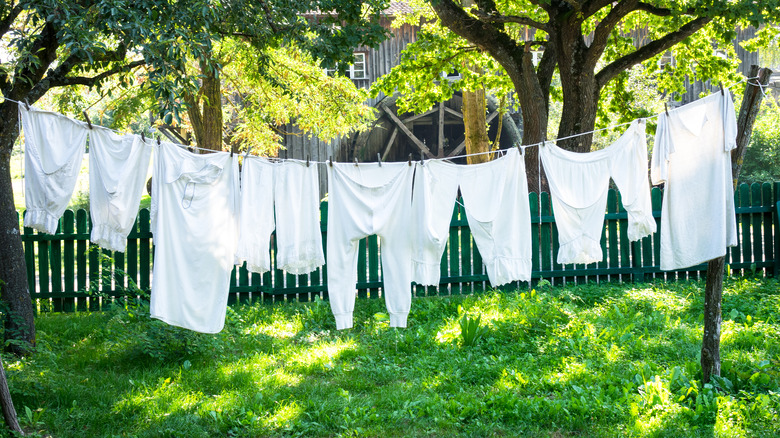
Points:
[(729, 123), (663, 147)]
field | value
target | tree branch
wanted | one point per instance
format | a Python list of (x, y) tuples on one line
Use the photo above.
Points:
[(8, 20), (498, 18), (605, 28), (91, 81), (649, 50)]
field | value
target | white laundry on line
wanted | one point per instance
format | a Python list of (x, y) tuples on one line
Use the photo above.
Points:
[(579, 185), (195, 203), (692, 155), (366, 200), (54, 147), (117, 173)]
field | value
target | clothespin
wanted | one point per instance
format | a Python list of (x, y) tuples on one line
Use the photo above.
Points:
[(231, 151), (307, 161), (410, 159), (89, 123), (158, 140), (422, 159), (379, 159), (143, 137), (26, 105), (720, 84), (356, 163), (331, 161), (666, 108)]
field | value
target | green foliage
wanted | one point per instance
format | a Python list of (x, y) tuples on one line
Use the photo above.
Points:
[(471, 330), (762, 158), (597, 360)]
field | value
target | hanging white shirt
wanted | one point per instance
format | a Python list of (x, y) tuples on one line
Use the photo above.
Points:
[(692, 155), (579, 185), (54, 148), (195, 205), (117, 173)]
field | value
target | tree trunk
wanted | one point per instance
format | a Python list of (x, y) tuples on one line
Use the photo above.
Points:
[(207, 122), (713, 291), (475, 126), (19, 321), (9, 412)]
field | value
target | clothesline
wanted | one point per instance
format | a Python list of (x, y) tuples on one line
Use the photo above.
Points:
[(522, 147)]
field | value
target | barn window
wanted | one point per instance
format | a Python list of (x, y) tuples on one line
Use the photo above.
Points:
[(358, 69)]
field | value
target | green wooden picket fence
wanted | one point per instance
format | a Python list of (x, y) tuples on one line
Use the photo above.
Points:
[(66, 273)]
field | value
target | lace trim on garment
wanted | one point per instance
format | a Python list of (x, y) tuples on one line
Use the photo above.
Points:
[(108, 238), (299, 261), (503, 270), (582, 250), (41, 221)]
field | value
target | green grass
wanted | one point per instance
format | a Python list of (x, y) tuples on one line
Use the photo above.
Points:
[(595, 360)]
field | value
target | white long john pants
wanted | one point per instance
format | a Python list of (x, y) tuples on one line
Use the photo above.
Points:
[(365, 200)]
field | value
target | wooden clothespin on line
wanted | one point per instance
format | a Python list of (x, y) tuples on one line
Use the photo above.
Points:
[(720, 84), (379, 159), (330, 160), (307, 161), (143, 137), (158, 140), (86, 117), (410, 159), (422, 159), (356, 162), (26, 105), (666, 108)]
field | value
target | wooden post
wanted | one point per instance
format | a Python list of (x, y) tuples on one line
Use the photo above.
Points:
[(713, 291)]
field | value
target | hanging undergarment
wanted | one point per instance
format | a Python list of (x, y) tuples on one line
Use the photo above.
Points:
[(54, 147), (579, 185)]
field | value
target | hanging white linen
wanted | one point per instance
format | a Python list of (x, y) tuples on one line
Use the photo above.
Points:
[(117, 174), (579, 185), (692, 156), (54, 148), (195, 203), (366, 200)]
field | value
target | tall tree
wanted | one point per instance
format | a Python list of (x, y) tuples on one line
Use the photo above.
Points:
[(49, 43), (592, 43)]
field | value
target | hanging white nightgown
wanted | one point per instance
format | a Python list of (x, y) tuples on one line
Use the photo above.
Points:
[(291, 188), (54, 148), (117, 172), (692, 155), (579, 185), (366, 200), (195, 200)]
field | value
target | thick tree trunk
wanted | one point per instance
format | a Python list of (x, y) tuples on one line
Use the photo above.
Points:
[(713, 291), (18, 311), (9, 412)]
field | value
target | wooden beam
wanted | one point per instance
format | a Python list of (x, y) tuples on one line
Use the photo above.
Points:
[(390, 143), (419, 116), (406, 131), (453, 112)]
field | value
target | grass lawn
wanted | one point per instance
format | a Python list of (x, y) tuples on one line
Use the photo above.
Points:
[(595, 360)]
